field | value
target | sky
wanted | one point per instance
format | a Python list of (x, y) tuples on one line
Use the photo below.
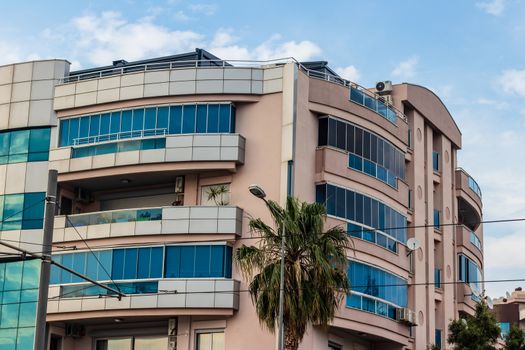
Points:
[(470, 52)]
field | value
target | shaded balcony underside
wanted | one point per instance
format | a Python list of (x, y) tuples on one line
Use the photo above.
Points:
[(468, 215)]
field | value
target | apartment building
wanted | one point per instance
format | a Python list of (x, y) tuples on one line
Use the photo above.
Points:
[(140, 146)]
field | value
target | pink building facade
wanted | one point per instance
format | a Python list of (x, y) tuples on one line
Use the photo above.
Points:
[(139, 147)]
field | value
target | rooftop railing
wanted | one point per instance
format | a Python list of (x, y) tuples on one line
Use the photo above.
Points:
[(370, 99)]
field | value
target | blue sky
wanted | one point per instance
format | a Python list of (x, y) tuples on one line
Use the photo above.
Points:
[(470, 52)]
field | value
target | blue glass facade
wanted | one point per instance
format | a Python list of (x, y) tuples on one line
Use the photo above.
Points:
[(184, 261), (149, 121), (18, 294), (374, 104), (367, 152), (22, 211), (474, 186), (28, 145), (371, 219), (375, 290), (469, 272)]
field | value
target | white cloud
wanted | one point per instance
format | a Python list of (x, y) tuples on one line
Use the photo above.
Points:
[(349, 72), (513, 81), (493, 7), (224, 45), (181, 16), (109, 37), (205, 9), (406, 69)]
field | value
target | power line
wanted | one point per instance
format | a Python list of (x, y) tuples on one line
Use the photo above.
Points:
[(87, 245)]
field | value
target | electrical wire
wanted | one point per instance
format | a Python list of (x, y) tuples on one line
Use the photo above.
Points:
[(89, 248)]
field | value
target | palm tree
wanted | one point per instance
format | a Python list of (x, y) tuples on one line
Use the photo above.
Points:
[(315, 279)]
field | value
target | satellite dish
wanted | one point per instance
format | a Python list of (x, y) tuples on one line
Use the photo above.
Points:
[(490, 302), (413, 244)]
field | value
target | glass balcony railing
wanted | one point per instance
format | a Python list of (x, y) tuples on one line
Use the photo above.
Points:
[(474, 186), (108, 217), (84, 290), (475, 241), (117, 147), (435, 161), (378, 106)]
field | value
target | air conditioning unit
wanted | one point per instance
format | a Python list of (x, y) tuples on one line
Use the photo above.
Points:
[(384, 87), (406, 315), (75, 330), (386, 98), (81, 195)]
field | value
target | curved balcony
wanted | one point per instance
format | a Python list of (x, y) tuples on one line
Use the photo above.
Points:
[(465, 299), (220, 221), (469, 243), (469, 194), (168, 297), (332, 164), (183, 152)]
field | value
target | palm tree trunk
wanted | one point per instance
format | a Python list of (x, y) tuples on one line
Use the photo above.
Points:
[(291, 341)]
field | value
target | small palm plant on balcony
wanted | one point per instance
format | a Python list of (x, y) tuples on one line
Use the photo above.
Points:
[(218, 194), (315, 279)]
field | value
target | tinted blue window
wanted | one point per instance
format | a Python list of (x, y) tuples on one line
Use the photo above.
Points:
[(105, 121), (67, 261), (330, 200), (224, 118), (4, 147), (130, 263), (320, 193), (33, 210), (13, 205), (355, 162), (94, 125), (340, 202), (187, 261), (92, 267), (79, 265), (144, 262), (125, 122), (172, 265), (367, 211), (217, 261), (138, 120), (105, 266), (369, 168), (350, 205), (232, 118), (228, 262), (55, 271), (201, 118), (162, 118), (64, 133), (39, 140), (213, 118), (84, 127), (175, 120), (202, 261), (157, 257), (115, 122), (117, 271), (353, 301), (150, 118), (74, 125), (19, 145), (359, 207), (188, 119)]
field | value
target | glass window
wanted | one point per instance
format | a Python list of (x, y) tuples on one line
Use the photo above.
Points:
[(341, 135), (215, 195), (125, 123), (105, 122), (332, 132), (151, 343), (175, 126), (210, 341), (225, 118), (130, 263), (19, 145), (172, 267), (117, 271), (115, 122), (202, 111), (358, 141), (162, 118), (366, 145), (213, 118), (150, 119), (340, 209), (188, 119), (187, 261), (138, 121), (94, 125)]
